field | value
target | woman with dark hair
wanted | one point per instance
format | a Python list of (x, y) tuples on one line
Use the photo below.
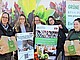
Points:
[(51, 20), (61, 35), (61, 38), (74, 34), (36, 21), (5, 30)]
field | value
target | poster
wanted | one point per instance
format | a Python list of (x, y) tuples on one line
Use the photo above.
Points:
[(46, 40), (7, 44), (25, 46), (72, 12)]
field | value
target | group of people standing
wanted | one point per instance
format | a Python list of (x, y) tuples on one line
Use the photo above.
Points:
[(22, 26)]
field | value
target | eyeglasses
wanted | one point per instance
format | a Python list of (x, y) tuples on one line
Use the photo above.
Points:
[(5, 17), (51, 20), (37, 20)]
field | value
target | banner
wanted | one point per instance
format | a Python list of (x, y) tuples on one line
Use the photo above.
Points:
[(25, 46), (46, 40), (72, 12), (72, 48), (7, 44)]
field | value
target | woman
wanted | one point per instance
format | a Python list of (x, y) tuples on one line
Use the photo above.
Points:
[(22, 26), (74, 34), (5, 30), (36, 21), (51, 20), (61, 38), (61, 35)]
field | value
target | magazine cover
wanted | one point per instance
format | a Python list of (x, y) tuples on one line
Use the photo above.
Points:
[(46, 41), (25, 46)]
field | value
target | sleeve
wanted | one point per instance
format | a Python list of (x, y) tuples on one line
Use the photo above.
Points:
[(64, 29)]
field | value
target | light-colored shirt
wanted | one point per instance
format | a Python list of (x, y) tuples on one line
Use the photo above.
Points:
[(5, 27), (23, 30)]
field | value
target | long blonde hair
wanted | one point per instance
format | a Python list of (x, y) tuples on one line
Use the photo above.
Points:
[(17, 24)]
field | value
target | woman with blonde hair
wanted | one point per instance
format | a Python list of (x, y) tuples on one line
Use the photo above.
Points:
[(22, 25), (5, 30)]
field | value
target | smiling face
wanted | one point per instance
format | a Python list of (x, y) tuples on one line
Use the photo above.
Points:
[(37, 20), (51, 21), (4, 19), (22, 19), (76, 25)]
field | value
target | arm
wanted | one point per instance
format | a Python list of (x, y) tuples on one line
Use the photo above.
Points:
[(63, 28)]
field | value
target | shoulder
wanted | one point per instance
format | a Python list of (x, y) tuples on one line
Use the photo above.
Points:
[(10, 26), (72, 30), (1, 27)]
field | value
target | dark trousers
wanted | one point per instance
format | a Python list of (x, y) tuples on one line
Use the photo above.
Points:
[(58, 52), (5, 56), (16, 55), (72, 57)]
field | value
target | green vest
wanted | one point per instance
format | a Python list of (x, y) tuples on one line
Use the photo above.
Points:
[(75, 36)]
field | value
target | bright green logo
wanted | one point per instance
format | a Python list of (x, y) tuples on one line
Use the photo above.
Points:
[(71, 49)]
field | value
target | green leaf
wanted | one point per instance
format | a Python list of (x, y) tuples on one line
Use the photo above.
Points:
[(27, 6), (48, 13), (40, 11)]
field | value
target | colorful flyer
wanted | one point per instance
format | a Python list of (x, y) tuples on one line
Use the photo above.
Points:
[(25, 46), (46, 40)]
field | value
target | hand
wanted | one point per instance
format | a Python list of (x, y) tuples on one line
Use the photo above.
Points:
[(2, 53), (60, 26)]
